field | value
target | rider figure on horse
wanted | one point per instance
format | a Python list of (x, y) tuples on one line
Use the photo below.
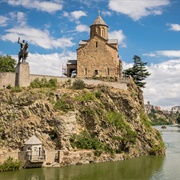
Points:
[(23, 53)]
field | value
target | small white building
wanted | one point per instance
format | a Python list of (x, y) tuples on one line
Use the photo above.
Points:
[(34, 148)]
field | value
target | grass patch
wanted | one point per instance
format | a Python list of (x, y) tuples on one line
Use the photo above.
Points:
[(85, 96), (85, 141), (145, 120), (64, 105), (16, 89)]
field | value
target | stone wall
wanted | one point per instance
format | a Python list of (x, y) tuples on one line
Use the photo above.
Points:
[(51, 157), (63, 158), (97, 58), (4, 156), (23, 78), (7, 79)]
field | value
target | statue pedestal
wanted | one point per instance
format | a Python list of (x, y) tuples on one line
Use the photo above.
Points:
[(22, 71)]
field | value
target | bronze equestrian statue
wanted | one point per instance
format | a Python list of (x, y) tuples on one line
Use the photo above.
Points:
[(23, 53)]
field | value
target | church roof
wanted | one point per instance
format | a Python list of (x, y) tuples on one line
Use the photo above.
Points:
[(99, 21), (112, 41), (82, 42), (74, 62), (33, 140)]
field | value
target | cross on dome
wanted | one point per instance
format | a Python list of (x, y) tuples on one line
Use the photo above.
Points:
[(99, 12)]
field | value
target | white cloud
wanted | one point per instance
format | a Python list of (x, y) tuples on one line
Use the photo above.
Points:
[(82, 28), (37, 4), (3, 21), (19, 18), (106, 13), (138, 9), (169, 53), (162, 88), (37, 37), (174, 27), (48, 64), (74, 16), (151, 54), (77, 14), (118, 35)]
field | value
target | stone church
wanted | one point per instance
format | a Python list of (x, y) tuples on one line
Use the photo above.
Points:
[(98, 56)]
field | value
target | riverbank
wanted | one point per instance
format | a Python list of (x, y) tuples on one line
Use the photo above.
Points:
[(141, 168)]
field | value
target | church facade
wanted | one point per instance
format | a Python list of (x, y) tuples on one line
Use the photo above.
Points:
[(98, 56)]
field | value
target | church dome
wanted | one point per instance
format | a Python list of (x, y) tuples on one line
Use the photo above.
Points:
[(99, 27), (99, 21)]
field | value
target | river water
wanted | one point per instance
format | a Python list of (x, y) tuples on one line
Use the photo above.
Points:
[(143, 168)]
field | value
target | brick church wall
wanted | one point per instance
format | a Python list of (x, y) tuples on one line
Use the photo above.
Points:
[(97, 55)]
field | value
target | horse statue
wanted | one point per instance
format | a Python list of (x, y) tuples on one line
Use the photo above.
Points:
[(23, 53)]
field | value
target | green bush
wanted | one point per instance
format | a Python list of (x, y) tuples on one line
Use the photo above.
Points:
[(145, 120), (85, 141), (86, 96), (64, 105), (44, 83), (78, 84), (98, 94), (115, 119), (16, 89), (10, 165)]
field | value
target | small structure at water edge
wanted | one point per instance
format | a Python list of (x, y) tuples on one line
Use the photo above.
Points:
[(35, 151)]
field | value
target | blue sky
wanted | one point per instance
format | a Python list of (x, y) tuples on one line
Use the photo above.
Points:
[(53, 29)]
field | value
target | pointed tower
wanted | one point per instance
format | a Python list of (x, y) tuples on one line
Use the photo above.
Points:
[(99, 27), (98, 56)]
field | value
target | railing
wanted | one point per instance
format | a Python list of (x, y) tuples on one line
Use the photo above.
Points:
[(36, 156)]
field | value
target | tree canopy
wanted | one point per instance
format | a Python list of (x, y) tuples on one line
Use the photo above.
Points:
[(7, 64), (138, 72)]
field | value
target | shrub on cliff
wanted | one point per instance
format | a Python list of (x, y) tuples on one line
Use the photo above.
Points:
[(85, 141), (10, 165), (64, 105), (78, 84), (44, 83)]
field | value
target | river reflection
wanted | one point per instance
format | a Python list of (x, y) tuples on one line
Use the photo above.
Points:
[(143, 168), (137, 168)]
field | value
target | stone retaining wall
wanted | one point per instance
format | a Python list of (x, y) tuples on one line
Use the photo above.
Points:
[(64, 157)]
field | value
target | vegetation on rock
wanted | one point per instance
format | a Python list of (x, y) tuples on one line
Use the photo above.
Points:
[(10, 165), (78, 84), (101, 118), (44, 83)]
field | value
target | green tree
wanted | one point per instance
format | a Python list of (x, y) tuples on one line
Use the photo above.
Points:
[(7, 64), (138, 72)]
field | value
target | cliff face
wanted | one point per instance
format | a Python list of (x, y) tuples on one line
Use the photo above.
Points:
[(98, 117)]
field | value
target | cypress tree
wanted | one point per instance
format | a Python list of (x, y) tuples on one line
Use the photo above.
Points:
[(138, 72)]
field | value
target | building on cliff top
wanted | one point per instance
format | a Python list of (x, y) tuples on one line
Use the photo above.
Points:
[(97, 56)]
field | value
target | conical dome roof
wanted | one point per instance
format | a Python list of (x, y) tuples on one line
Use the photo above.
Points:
[(99, 21), (33, 140)]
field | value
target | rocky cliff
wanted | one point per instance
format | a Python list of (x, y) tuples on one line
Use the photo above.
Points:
[(101, 118)]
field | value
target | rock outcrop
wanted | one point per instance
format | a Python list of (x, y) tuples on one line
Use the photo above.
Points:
[(101, 118)]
